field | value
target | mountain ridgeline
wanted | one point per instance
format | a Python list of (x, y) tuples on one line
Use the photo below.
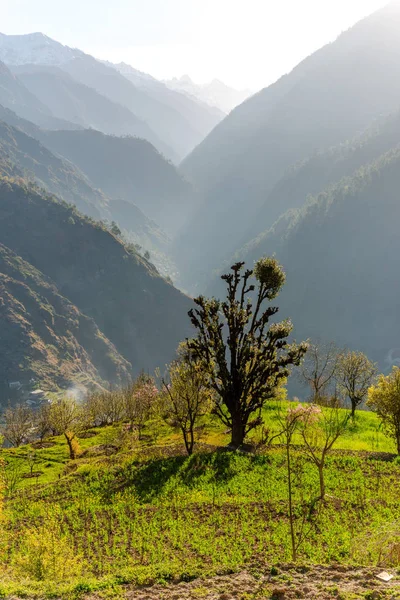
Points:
[(327, 99), (340, 254), (69, 84), (307, 170), (116, 308)]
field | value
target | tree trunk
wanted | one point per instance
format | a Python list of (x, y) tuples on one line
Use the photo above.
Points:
[(188, 438), (70, 446), (321, 481), (353, 407), (290, 498), (238, 431)]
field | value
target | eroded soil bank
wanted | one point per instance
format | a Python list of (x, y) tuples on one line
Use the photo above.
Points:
[(281, 583)]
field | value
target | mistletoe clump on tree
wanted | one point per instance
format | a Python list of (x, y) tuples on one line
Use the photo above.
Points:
[(244, 356)]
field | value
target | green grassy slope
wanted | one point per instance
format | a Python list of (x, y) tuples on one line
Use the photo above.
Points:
[(149, 514)]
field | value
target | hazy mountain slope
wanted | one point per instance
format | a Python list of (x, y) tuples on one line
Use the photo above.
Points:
[(173, 128), (133, 221), (11, 118), (340, 253), (326, 100), (200, 116), (179, 122), (137, 310), (324, 168), (46, 337), (215, 93), (129, 169), (74, 101), (24, 156), (15, 96)]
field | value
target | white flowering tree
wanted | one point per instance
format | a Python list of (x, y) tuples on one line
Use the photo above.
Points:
[(138, 401)]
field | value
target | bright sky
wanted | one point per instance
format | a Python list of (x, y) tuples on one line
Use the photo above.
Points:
[(246, 43)]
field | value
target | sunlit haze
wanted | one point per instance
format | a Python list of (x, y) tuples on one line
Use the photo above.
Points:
[(245, 44)]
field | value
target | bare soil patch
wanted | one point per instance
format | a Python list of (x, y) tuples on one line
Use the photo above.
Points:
[(286, 583)]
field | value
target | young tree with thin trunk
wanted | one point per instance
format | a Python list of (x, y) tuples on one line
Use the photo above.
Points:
[(66, 418), (318, 369), (384, 397), (186, 396), (300, 510), (18, 423), (320, 429), (355, 374), (138, 400), (244, 356), (42, 421)]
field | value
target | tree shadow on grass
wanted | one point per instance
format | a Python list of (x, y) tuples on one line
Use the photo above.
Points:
[(150, 480)]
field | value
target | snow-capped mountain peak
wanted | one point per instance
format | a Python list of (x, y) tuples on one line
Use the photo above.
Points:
[(34, 48)]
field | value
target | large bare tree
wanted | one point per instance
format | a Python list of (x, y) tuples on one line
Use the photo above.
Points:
[(318, 370)]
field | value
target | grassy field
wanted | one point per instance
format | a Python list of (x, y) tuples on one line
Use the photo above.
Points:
[(147, 513)]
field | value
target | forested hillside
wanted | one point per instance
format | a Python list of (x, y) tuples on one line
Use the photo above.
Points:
[(129, 169), (45, 337), (24, 156), (327, 99), (139, 312), (340, 254)]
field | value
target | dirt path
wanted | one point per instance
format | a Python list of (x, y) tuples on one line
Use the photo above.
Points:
[(287, 583)]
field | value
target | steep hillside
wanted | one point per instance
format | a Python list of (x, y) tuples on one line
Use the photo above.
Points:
[(15, 96), (46, 337), (200, 116), (326, 100), (173, 128), (137, 310), (310, 176), (341, 256), (74, 101), (179, 122), (129, 169), (24, 156)]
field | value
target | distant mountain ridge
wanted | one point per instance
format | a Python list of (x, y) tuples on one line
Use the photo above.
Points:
[(123, 299), (34, 49), (175, 123), (327, 99), (76, 167), (15, 96), (215, 93), (78, 103), (128, 169)]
